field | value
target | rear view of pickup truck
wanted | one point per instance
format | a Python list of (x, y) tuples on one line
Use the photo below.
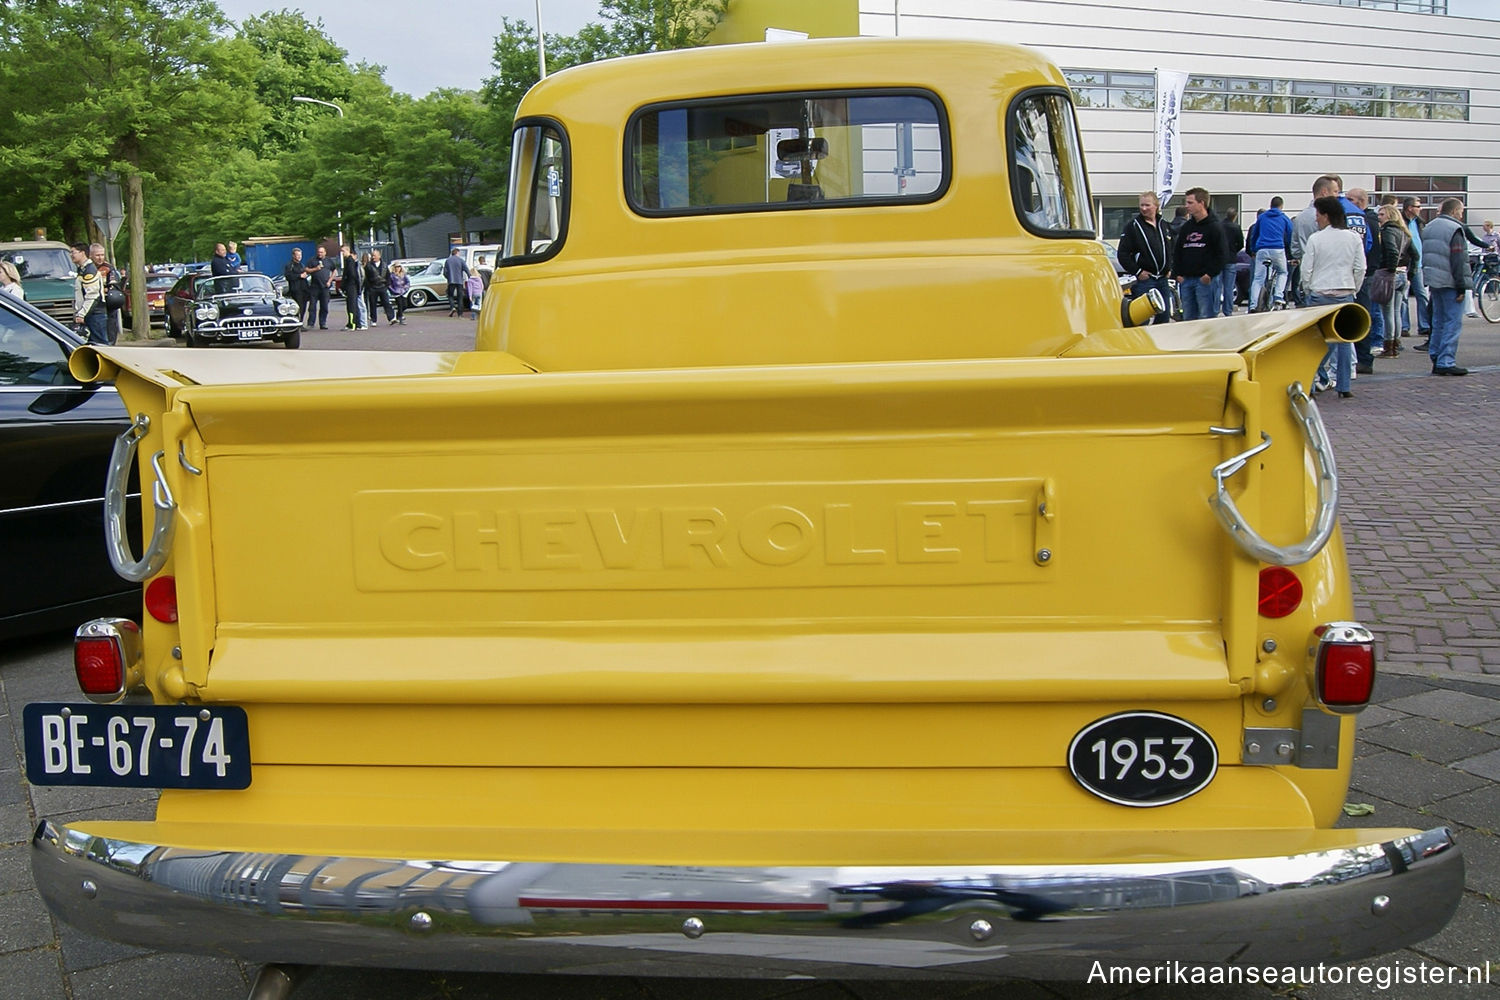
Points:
[(814, 571)]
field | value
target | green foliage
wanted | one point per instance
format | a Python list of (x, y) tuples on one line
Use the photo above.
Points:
[(132, 86), (296, 59), (631, 27), (441, 159), (200, 114), (637, 26)]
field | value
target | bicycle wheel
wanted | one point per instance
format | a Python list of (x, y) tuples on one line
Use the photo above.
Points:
[(1489, 298), (1267, 290)]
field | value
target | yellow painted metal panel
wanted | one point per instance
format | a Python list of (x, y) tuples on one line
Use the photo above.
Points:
[(694, 815), (747, 20)]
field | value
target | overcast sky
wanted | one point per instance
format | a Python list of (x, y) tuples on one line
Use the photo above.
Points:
[(424, 47)]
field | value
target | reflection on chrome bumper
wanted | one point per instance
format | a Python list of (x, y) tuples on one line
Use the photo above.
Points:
[(1041, 922)]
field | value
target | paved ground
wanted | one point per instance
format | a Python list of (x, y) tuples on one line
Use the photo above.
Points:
[(1421, 514)]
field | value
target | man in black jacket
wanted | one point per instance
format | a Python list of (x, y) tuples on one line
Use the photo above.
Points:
[(1234, 242), (377, 284), (295, 273), (1198, 258), (319, 273), (1146, 251), (353, 301)]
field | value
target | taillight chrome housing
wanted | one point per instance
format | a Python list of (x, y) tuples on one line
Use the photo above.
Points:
[(106, 652), (1345, 667)]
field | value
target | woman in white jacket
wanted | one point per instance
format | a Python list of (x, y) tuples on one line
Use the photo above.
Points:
[(1333, 268)]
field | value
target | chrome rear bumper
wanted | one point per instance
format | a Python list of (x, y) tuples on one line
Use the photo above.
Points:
[(852, 922)]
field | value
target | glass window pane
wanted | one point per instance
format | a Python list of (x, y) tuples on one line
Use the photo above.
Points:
[(1091, 97), (1312, 106), (1134, 99), (1132, 80), (786, 151), (1084, 78), (29, 356), (1312, 88), (1409, 109), (537, 201), (1202, 102), (1251, 103), (1049, 186), (1205, 83)]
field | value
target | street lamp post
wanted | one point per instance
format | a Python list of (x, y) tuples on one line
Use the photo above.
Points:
[(328, 104)]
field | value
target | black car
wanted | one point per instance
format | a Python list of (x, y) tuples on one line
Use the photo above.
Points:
[(55, 441), (231, 308)]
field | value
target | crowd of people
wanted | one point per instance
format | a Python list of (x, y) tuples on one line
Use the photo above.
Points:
[(1339, 249)]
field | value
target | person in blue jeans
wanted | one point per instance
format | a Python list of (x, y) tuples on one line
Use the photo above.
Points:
[(1271, 244), (1234, 242), (1333, 268), (88, 297), (1445, 266), (1198, 256)]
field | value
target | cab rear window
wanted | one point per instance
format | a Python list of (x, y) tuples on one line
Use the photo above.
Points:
[(787, 151)]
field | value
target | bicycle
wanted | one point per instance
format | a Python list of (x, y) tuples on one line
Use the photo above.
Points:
[(1487, 287), (1266, 300)]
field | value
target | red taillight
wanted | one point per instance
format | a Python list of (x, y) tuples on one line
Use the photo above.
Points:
[(104, 650), (100, 668), (161, 599), (1346, 666), (1280, 592)]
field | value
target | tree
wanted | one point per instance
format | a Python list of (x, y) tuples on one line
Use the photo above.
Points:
[(443, 155), (637, 26), (141, 88), (631, 27), (297, 59)]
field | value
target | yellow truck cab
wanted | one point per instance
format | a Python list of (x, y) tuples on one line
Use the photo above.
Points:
[(814, 569)]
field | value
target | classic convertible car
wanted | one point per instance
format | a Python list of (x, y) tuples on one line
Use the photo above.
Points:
[(231, 308)]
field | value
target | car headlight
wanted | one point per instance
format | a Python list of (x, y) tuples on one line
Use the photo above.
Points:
[(287, 308), (205, 313)]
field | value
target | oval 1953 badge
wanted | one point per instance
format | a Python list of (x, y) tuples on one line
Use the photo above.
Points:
[(1143, 758)]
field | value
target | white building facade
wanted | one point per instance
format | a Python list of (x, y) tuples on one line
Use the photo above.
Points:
[(1395, 96)]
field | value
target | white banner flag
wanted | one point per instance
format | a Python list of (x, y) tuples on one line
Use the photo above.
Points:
[(1169, 86)]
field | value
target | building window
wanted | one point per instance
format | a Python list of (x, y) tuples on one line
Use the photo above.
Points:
[(1429, 190), (1095, 88), (1404, 6), (1108, 89)]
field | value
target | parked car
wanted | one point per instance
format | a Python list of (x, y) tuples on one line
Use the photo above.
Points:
[(231, 308), (158, 284), (55, 439), (427, 286), (46, 275)]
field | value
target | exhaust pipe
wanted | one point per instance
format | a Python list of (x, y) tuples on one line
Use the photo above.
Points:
[(1346, 325), (88, 365)]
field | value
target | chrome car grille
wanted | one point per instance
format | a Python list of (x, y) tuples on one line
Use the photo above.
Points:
[(237, 323), (59, 309)]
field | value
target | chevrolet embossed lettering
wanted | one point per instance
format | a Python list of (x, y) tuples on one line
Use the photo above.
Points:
[(660, 537)]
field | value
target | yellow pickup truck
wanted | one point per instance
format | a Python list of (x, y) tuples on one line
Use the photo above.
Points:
[(816, 569)]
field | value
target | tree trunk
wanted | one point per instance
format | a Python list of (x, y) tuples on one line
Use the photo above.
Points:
[(135, 219)]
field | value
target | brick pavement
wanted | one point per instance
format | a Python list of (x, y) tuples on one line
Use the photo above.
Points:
[(1421, 515)]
